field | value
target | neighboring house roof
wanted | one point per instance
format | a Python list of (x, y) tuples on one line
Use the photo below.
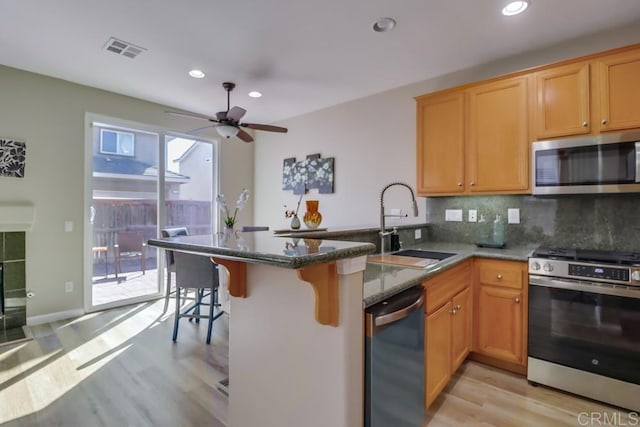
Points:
[(187, 152), (115, 165)]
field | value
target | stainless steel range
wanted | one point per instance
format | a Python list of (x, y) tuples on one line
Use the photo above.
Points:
[(584, 323)]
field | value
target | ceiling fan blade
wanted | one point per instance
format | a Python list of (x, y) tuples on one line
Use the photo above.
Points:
[(244, 136), (268, 128), (236, 113), (191, 115), (198, 130)]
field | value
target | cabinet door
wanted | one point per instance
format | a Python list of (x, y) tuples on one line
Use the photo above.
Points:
[(562, 101), (437, 352), (500, 323), (619, 91), (440, 144), (498, 143), (461, 328)]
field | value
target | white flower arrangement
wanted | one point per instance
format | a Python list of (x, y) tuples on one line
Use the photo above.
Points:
[(230, 220)]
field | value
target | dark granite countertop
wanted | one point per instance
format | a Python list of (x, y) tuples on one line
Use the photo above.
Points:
[(263, 247), (384, 280)]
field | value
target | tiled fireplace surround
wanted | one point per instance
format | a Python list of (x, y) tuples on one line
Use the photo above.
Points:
[(12, 258)]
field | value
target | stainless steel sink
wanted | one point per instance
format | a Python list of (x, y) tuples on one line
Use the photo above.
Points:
[(417, 253)]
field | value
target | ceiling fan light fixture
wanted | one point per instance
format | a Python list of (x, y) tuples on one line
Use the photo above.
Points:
[(515, 7), (384, 25), (227, 131), (197, 74), (255, 94)]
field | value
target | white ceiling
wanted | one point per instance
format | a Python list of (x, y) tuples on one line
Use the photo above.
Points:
[(303, 55)]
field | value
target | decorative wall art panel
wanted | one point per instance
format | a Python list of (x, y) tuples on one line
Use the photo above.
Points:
[(12, 158), (313, 172)]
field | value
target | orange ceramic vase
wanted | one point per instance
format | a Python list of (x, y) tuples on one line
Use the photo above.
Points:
[(312, 218)]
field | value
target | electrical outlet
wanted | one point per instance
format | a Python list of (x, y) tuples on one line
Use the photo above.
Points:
[(453, 215), (513, 216), (68, 286), (418, 234), (473, 215)]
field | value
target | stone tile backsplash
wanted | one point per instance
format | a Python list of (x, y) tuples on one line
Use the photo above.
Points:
[(603, 221)]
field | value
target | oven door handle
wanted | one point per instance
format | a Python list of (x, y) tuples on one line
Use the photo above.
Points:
[(594, 288)]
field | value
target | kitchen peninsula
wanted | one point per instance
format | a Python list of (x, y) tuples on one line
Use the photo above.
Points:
[(295, 328)]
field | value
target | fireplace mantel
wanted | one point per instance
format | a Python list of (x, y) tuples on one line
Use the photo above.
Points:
[(17, 217)]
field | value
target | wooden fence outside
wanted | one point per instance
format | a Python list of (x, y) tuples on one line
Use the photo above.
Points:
[(115, 215)]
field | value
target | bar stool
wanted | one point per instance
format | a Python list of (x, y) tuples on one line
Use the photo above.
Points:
[(171, 265), (200, 273)]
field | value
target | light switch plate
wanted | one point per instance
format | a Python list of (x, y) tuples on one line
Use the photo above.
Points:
[(513, 216), (453, 215), (473, 215), (68, 226)]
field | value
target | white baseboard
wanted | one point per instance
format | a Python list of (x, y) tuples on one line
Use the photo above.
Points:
[(52, 317)]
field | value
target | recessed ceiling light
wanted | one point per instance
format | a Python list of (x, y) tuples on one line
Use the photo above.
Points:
[(196, 74), (515, 7), (255, 94), (383, 25)]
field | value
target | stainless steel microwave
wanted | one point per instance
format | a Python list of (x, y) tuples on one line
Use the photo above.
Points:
[(607, 163)]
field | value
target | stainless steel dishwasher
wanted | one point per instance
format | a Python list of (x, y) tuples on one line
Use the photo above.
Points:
[(394, 361)]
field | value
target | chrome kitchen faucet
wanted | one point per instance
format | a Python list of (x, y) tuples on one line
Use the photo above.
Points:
[(383, 231)]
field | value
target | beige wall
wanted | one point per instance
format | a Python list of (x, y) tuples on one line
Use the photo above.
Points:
[(373, 140), (49, 115)]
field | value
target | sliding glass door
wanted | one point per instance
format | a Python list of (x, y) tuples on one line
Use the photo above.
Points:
[(140, 181)]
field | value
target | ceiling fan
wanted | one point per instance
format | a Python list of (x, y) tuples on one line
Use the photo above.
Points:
[(227, 123)]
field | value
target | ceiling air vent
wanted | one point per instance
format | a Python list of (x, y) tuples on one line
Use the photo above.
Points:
[(123, 48)]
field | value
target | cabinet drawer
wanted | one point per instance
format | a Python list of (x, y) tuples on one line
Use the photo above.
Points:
[(446, 285), (500, 273)]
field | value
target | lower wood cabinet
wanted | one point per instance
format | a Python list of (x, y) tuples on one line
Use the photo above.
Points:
[(501, 313), (448, 326)]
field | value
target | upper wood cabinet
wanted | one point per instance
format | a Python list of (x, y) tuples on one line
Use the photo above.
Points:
[(619, 90), (498, 137), (440, 147), (474, 141), (588, 97), (562, 101)]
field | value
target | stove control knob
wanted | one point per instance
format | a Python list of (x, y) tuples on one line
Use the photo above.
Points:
[(535, 266), (635, 275), (547, 267)]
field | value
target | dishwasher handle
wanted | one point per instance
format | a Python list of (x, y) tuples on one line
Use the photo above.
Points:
[(400, 314)]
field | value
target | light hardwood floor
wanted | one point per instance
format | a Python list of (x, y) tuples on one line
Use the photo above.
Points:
[(116, 368), (120, 368)]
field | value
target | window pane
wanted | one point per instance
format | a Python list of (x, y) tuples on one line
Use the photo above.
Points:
[(125, 144), (125, 212), (189, 185), (109, 142)]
